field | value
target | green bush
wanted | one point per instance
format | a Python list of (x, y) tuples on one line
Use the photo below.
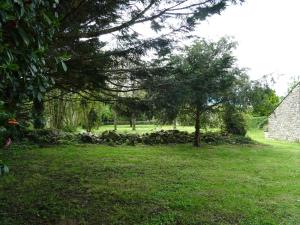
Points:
[(43, 136), (234, 121), (46, 137)]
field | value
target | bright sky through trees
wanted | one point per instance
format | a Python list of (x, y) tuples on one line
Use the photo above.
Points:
[(268, 36)]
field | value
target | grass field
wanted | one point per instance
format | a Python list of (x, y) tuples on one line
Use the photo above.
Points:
[(176, 184)]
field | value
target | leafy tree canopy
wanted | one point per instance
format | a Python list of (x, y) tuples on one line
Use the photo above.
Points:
[(105, 48), (198, 80), (263, 99), (26, 28)]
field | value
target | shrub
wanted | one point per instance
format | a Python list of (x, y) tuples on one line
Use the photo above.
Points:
[(43, 136), (50, 137), (234, 121)]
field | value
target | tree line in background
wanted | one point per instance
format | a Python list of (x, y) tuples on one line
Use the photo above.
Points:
[(79, 63)]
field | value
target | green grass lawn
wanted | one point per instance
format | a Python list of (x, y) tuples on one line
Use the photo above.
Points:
[(176, 184)]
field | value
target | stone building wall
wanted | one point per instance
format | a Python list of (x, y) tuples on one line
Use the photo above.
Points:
[(284, 122)]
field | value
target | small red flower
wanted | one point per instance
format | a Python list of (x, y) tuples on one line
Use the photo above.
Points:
[(12, 122)]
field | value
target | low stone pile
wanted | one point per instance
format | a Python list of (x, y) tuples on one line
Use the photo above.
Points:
[(160, 137), (167, 137), (109, 137), (48, 137)]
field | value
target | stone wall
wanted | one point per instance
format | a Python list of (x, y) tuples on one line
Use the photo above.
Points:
[(284, 122)]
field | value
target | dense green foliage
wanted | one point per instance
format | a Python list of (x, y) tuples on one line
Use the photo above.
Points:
[(234, 121), (48, 137), (26, 28), (262, 99)]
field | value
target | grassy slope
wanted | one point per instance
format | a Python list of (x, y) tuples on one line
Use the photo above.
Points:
[(152, 185)]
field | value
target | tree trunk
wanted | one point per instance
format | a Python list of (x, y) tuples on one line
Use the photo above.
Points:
[(133, 121), (38, 114), (115, 121), (60, 112), (197, 129), (174, 124)]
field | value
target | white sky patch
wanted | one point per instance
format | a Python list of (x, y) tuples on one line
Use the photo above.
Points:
[(268, 35)]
